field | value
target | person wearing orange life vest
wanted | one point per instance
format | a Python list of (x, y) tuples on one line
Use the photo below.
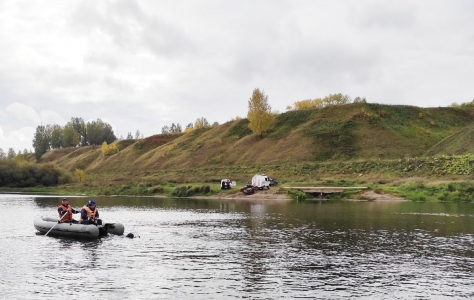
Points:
[(65, 212), (90, 214)]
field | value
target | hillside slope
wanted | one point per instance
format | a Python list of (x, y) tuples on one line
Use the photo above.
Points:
[(336, 133), (461, 142)]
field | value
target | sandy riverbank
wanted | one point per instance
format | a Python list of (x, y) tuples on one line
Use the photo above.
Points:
[(259, 195), (273, 195), (381, 196)]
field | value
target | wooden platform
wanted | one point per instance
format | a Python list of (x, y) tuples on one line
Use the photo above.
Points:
[(321, 190)]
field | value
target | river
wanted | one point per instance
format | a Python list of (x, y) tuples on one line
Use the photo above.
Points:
[(234, 249)]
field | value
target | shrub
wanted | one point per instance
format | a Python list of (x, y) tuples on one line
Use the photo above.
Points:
[(419, 196), (190, 192), (297, 195), (443, 197), (156, 190), (79, 174), (180, 191)]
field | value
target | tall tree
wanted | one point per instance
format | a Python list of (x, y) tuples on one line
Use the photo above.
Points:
[(80, 127), (109, 135), (138, 135), (175, 128), (3, 155), (11, 153), (56, 136), (129, 136), (98, 131), (95, 132), (165, 129), (70, 137), (201, 123), (260, 112), (41, 141)]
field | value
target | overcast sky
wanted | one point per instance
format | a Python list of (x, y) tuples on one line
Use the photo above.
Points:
[(145, 64)]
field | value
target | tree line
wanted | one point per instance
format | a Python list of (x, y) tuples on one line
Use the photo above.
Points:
[(331, 99), (75, 133), (79, 133), (199, 123), (21, 173)]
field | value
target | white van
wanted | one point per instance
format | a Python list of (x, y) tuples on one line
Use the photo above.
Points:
[(261, 181)]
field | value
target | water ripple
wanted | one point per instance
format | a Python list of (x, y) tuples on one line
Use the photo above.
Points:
[(189, 251)]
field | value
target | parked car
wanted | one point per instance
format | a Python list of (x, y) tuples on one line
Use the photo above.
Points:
[(273, 181), (248, 189)]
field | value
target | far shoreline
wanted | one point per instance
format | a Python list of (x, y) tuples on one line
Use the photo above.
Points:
[(364, 196)]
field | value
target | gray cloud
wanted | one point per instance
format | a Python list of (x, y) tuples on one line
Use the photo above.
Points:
[(145, 64), (384, 15)]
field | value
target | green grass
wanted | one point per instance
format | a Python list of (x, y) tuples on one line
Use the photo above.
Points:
[(355, 144), (239, 130)]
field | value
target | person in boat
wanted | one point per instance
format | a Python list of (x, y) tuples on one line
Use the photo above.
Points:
[(65, 212), (90, 214)]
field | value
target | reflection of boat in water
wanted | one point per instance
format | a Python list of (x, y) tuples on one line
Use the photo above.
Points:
[(44, 224)]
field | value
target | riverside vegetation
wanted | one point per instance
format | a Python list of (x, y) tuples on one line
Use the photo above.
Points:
[(422, 154)]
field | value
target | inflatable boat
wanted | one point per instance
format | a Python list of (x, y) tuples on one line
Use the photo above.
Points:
[(44, 224)]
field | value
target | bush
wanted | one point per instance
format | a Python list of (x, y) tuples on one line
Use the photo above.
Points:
[(204, 189), (190, 192), (297, 195), (156, 190), (451, 188), (418, 196), (180, 191)]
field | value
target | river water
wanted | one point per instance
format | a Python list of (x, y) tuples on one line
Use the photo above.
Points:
[(215, 249)]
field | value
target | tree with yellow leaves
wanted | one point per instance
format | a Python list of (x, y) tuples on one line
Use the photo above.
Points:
[(104, 148), (260, 112), (332, 99), (79, 174), (201, 123), (109, 149)]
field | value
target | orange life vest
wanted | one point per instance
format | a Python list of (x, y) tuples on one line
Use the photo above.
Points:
[(90, 213), (68, 216)]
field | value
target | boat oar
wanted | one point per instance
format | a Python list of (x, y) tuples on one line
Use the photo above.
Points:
[(56, 223)]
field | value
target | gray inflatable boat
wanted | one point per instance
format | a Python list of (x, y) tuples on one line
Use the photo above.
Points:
[(44, 224)]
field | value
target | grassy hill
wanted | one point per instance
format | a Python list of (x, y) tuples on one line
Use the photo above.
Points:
[(316, 138), (459, 143)]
